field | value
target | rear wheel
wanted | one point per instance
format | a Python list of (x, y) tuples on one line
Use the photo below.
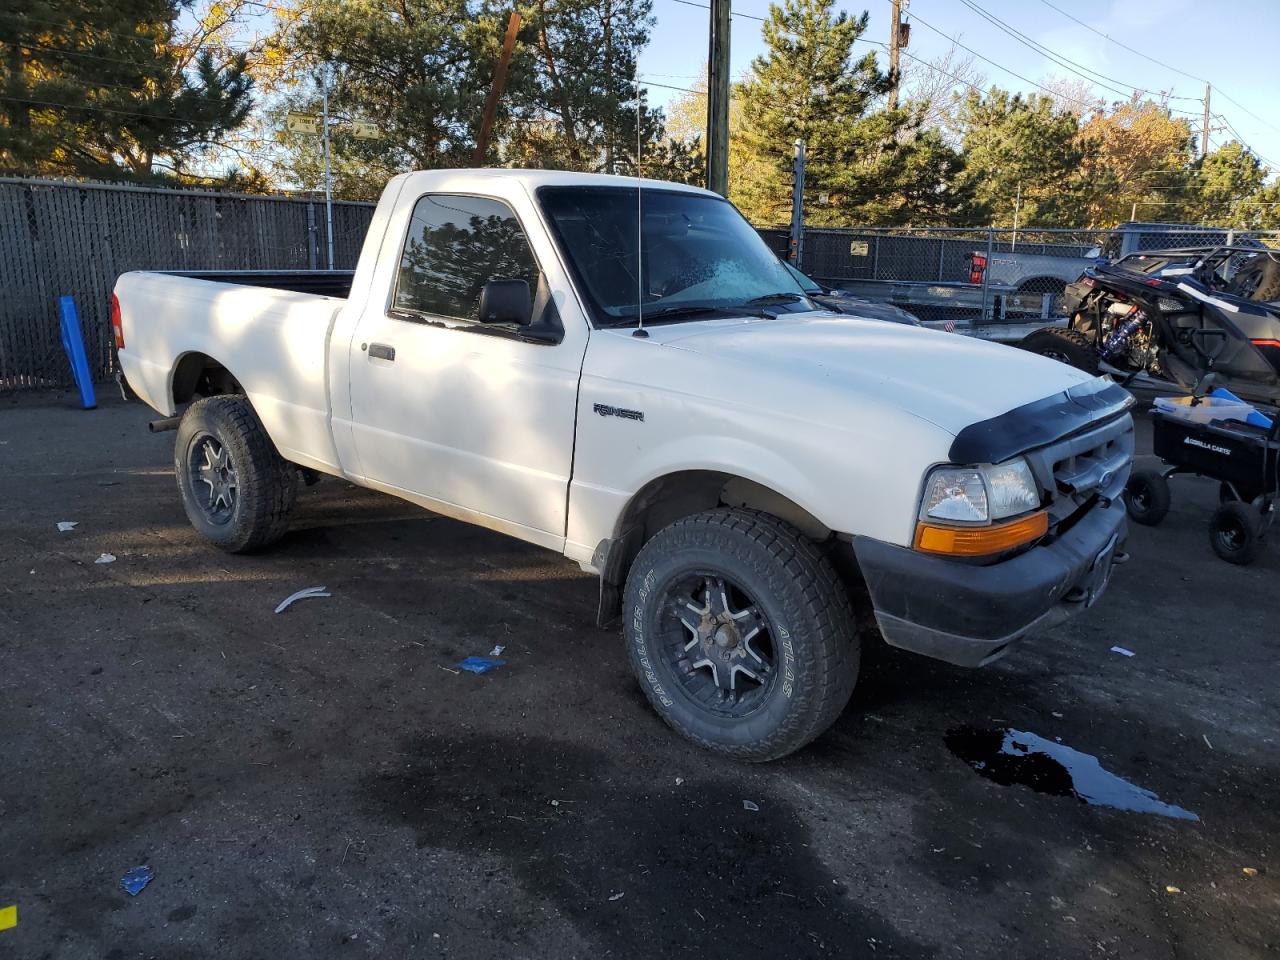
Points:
[(1064, 345), (1235, 532), (740, 633), (237, 490), (1147, 497)]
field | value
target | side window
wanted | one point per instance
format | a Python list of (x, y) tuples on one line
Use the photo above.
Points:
[(454, 246)]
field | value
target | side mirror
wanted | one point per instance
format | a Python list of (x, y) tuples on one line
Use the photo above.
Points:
[(506, 301)]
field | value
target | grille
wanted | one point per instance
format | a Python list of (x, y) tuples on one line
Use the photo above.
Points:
[(1095, 462)]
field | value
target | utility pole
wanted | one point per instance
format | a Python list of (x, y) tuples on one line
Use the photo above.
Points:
[(1204, 131), (797, 206), (328, 173), (718, 99), (495, 90), (895, 31)]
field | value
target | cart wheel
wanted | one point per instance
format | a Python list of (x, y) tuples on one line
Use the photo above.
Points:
[(1235, 532), (1147, 497)]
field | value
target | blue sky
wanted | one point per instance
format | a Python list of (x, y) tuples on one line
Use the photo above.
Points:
[(1232, 46)]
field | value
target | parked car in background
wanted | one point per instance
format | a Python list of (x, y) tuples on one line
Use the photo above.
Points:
[(842, 301), (754, 482)]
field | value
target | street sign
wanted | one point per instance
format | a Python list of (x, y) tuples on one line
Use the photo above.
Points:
[(858, 248), (302, 123), (365, 130)]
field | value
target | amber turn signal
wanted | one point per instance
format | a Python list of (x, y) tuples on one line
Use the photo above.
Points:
[(981, 541)]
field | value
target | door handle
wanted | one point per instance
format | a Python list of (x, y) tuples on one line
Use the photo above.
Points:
[(382, 351)]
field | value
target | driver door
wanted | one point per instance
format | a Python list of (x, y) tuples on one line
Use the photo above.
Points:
[(463, 417)]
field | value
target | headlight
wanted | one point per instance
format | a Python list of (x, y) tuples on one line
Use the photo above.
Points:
[(979, 494), (1011, 489), (957, 495)]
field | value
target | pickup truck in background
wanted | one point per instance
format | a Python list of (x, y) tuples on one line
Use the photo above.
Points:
[(1037, 281), (623, 372)]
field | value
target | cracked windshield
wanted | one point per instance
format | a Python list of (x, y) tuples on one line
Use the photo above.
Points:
[(697, 259)]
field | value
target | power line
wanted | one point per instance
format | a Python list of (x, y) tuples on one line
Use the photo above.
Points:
[(1049, 53), (732, 13), (998, 66), (1061, 60), (1161, 63), (1236, 133), (100, 109)]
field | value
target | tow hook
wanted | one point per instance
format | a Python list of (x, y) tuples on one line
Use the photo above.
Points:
[(1119, 557)]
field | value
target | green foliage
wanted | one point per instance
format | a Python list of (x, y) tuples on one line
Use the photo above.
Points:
[(421, 69), (1014, 144), (866, 159), (101, 88), (1226, 188)]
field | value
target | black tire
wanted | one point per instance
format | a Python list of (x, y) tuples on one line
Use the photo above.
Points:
[(808, 647), (1064, 345), (237, 490), (1235, 533), (1147, 497)]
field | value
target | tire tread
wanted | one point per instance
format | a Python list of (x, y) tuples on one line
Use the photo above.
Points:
[(825, 602)]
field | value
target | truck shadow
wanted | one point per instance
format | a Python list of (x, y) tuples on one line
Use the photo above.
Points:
[(638, 866)]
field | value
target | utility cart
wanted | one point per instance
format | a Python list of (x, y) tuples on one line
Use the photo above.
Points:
[(1227, 440)]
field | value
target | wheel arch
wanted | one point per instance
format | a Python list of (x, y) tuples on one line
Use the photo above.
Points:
[(672, 496), (195, 373), (1027, 284)]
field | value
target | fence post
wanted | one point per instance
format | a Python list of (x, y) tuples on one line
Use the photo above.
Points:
[(986, 276), (311, 235), (942, 256)]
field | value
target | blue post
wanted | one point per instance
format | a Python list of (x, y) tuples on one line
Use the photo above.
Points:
[(73, 344)]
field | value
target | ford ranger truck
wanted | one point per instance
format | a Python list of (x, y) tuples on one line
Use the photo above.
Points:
[(621, 371)]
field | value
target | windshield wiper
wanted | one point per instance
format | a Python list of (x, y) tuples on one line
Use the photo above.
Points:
[(672, 312), (780, 297)]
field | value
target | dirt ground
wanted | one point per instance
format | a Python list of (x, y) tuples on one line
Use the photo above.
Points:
[(322, 783)]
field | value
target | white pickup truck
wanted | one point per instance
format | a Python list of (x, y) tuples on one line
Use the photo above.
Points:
[(622, 371)]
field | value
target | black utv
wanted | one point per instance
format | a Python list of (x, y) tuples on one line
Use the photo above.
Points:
[(1176, 316)]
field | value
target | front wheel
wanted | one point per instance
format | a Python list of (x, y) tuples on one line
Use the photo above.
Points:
[(1064, 345), (236, 488), (740, 633)]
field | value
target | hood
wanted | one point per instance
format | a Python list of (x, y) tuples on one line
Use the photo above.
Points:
[(947, 379)]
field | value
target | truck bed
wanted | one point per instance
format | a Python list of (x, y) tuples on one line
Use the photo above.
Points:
[(269, 329), (321, 283)]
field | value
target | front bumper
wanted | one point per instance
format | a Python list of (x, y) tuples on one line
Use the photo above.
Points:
[(968, 615)]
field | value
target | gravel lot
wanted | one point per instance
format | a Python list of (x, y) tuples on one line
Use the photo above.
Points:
[(322, 783)]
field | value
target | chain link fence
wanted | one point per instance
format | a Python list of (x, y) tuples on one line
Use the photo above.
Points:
[(60, 237), (980, 275)]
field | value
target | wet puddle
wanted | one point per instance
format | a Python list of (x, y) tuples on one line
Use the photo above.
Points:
[(1010, 757)]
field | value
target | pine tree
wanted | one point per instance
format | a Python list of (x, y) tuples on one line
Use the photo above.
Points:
[(810, 87), (104, 88), (1023, 154)]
